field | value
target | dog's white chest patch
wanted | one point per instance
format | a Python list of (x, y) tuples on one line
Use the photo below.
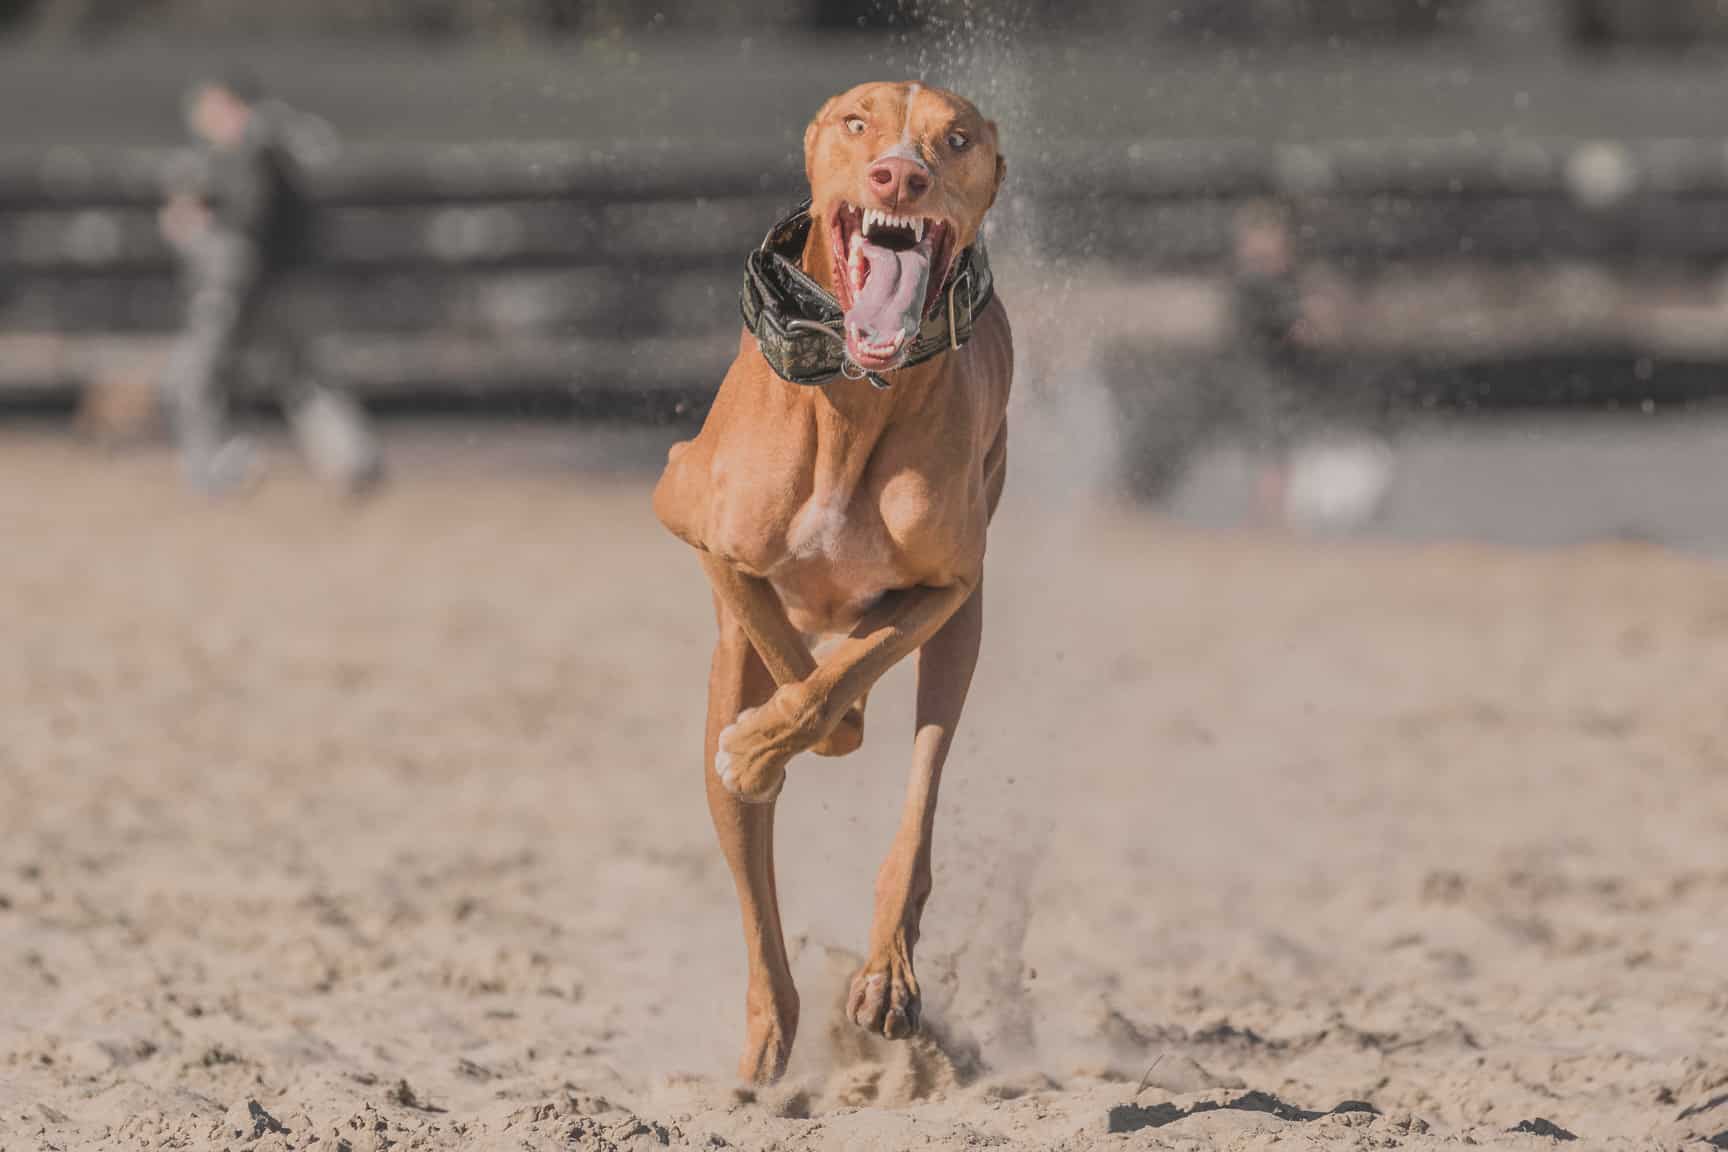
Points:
[(818, 527)]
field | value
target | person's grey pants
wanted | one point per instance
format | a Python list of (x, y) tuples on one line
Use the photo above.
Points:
[(233, 315)]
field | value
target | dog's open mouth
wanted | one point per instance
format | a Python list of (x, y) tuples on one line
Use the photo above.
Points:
[(890, 271)]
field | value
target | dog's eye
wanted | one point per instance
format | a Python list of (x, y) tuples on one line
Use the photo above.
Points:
[(854, 125), (959, 141)]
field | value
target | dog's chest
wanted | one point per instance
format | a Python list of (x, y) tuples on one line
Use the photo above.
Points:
[(844, 538), (843, 550), (895, 518)]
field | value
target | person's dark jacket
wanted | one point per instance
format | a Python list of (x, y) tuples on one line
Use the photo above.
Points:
[(1268, 312), (256, 191)]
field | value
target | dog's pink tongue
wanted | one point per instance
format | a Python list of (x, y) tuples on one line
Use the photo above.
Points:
[(893, 293)]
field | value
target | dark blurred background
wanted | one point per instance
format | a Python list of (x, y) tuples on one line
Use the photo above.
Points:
[(539, 207)]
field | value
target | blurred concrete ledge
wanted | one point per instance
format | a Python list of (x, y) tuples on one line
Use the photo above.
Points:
[(1450, 315), (571, 217), (379, 366), (1457, 311)]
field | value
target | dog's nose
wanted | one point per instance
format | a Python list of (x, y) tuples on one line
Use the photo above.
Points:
[(898, 182)]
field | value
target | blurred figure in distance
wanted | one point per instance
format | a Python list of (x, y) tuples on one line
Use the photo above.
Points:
[(1310, 423), (243, 226)]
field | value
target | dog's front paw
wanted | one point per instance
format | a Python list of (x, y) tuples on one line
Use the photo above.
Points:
[(768, 1033), (755, 748), (743, 771)]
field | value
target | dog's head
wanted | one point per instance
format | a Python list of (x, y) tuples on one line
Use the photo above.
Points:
[(900, 179)]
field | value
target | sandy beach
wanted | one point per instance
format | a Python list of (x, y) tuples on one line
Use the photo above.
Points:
[(329, 826)]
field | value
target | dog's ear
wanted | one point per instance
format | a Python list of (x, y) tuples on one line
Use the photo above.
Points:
[(810, 138), (1001, 163)]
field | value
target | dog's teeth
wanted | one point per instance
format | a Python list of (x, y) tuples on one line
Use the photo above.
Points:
[(918, 228)]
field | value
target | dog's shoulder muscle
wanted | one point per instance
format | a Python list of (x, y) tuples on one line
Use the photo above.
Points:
[(735, 489)]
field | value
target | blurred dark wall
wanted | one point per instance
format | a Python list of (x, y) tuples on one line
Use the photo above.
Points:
[(1584, 25)]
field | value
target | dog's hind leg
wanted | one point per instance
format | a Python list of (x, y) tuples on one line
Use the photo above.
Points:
[(884, 995), (738, 681)]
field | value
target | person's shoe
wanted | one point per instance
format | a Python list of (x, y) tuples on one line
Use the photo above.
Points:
[(1338, 484), (339, 443), (232, 467)]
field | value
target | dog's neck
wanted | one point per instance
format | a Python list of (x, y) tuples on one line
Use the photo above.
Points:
[(818, 259)]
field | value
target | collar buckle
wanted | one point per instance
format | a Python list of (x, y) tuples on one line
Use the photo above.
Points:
[(953, 295)]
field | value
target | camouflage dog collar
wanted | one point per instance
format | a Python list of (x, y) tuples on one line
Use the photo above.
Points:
[(798, 325)]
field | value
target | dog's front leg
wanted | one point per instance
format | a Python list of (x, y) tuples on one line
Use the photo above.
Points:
[(737, 681), (884, 995), (754, 752), (756, 607)]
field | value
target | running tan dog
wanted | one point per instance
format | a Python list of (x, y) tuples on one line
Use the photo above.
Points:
[(854, 511)]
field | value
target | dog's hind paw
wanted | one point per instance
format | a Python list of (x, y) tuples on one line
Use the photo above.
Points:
[(884, 997), (846, 737)]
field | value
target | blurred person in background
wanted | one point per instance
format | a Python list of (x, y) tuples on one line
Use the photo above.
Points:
[(1311, 423), (243, 226)]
